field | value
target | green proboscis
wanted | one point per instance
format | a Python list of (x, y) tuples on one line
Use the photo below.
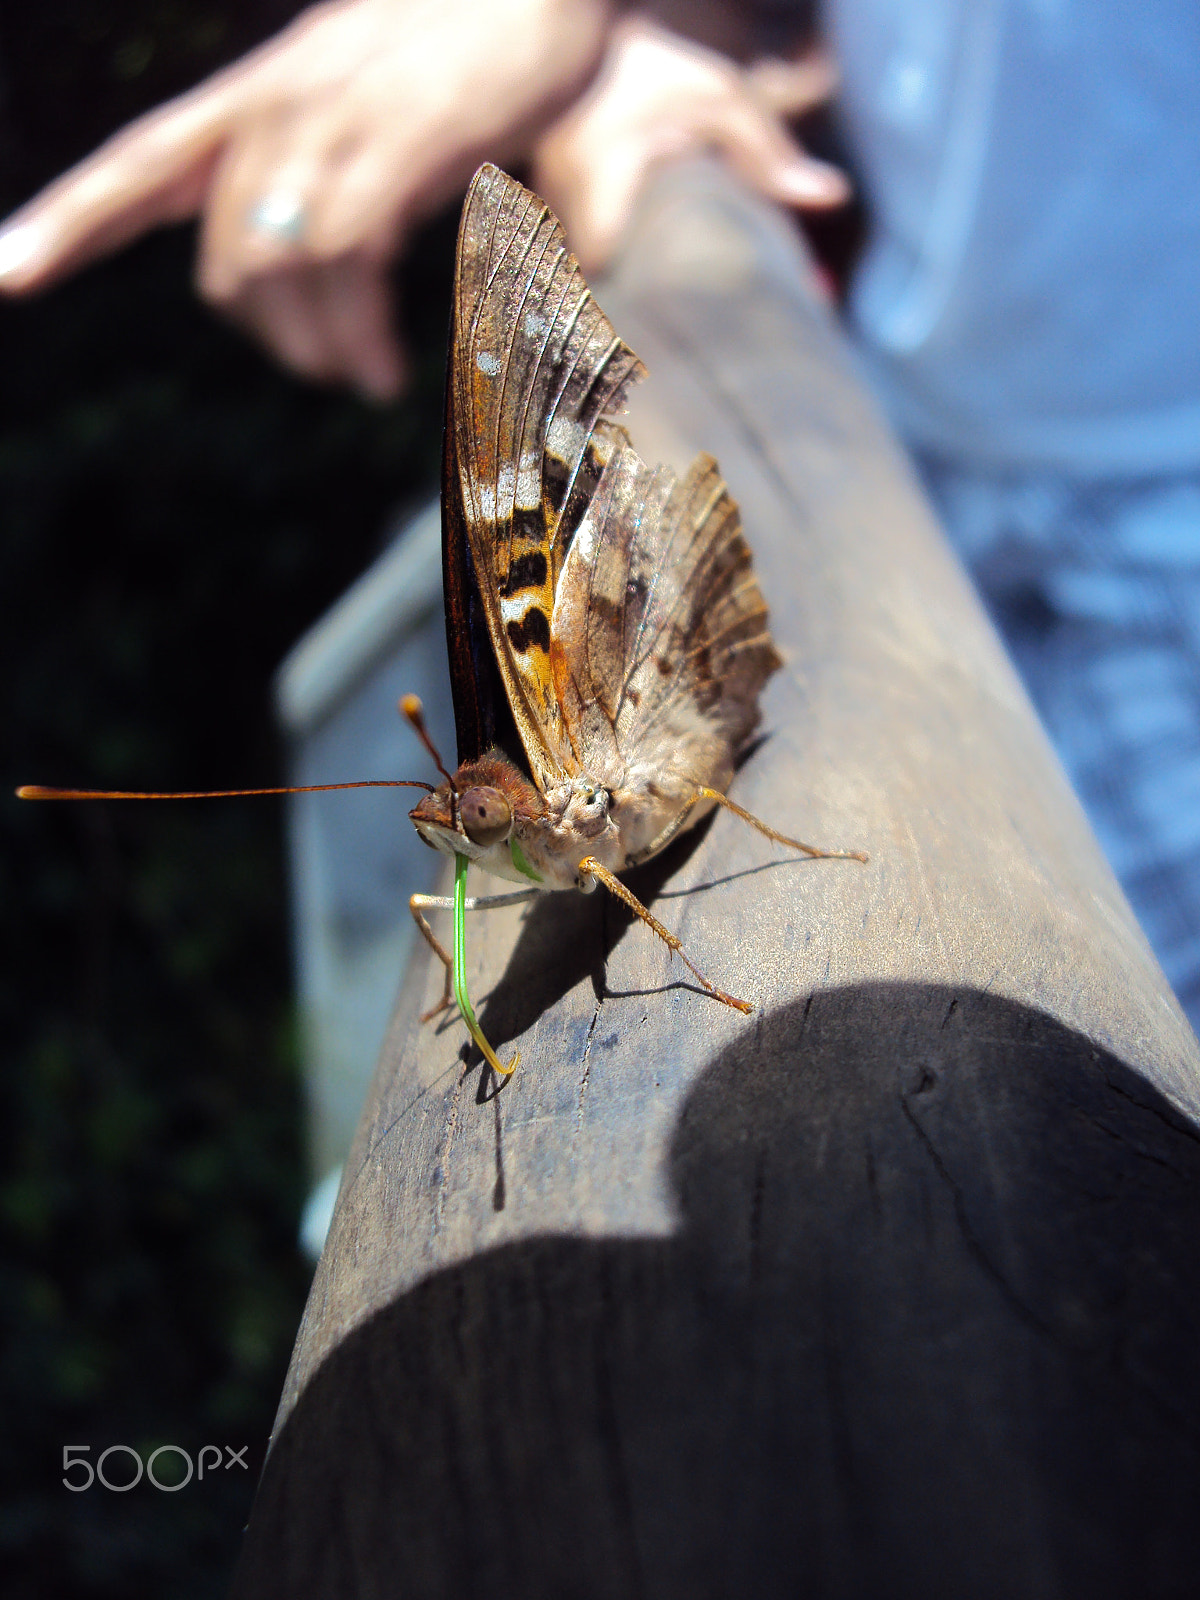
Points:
[(460, 971)]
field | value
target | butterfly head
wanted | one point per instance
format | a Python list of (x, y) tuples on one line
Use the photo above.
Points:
[(475, 813), (455, 818)]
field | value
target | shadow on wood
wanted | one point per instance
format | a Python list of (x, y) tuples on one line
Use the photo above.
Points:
[(566, 938), (913, 1225)]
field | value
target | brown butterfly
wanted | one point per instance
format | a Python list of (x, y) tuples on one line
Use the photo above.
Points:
[(608, 640), (607, 637)]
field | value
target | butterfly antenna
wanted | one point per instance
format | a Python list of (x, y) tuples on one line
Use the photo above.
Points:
[(413, 712), (39, 791)]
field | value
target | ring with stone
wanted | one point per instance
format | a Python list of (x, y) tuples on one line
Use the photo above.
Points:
[(280, 215)]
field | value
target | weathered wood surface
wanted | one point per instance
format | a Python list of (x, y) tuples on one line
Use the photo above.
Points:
[(890, 1289)]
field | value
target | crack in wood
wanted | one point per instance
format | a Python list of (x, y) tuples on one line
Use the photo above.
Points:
[(975, 1248), (441, 1173)]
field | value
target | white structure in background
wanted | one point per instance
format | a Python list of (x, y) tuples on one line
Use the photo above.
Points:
[(355, 857)]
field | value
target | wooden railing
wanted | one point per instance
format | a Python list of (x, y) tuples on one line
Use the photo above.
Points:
[(888, 1289)]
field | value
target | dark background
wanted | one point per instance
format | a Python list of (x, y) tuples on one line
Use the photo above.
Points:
[(175, 511)]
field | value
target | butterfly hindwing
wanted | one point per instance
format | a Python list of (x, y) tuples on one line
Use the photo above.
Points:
[(659, 639), (535, 371)]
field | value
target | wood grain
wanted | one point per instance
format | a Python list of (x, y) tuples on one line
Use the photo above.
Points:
[(890, 1289)]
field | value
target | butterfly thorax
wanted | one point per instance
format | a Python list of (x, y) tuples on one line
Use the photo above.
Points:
[(495, 817)]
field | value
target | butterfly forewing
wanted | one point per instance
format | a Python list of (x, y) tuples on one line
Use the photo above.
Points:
[(535, 370)]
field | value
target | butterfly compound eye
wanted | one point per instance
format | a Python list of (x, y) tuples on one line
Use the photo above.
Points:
[(486, 815)]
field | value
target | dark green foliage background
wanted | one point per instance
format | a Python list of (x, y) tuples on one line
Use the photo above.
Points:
[(175, 511)]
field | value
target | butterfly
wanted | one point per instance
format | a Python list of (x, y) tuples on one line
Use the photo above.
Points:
[(607, 638)]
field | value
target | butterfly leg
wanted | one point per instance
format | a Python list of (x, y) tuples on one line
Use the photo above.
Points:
[(419, 903), (589, 867), (770, 833)]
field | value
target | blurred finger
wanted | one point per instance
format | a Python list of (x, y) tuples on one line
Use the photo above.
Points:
[(260, 208), (284, 310), (357, 315), (760, 148), (329, 322), (154, 171), (789, 88), (594, 199)]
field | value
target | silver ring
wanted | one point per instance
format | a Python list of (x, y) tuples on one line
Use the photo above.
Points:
[(280, 214)]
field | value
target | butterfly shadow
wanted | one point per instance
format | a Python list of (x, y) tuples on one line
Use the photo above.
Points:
[(568, 937)]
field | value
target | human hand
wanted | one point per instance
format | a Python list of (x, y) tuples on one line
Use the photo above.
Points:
[(313, 157), (658, 96)]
